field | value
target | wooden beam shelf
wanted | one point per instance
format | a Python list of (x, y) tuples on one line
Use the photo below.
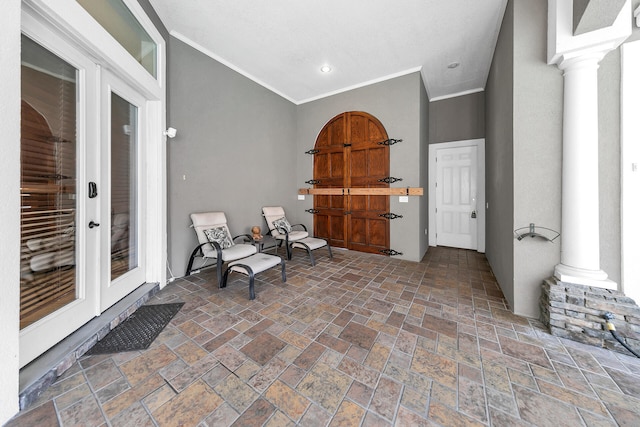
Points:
[(396, 191)]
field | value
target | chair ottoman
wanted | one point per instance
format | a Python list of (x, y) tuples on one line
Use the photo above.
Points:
[(310, 244), (251, 266)]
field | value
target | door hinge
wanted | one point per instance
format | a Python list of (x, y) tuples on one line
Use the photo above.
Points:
[(390, 141), (347, 212), (313, 181), (389, 179), (390, 215), (312, 211), (314, 151), (347, 144), (390, 252)]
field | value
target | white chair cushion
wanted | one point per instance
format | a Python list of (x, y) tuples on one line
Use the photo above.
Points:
[(206, 221), (274, 213), (295, 235), (237, 252), (258, 263), (312, 242)]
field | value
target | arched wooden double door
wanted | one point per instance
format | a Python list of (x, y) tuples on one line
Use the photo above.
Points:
[(349, 155)]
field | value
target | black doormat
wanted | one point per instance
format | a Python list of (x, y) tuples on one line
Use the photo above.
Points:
[(139, 330)]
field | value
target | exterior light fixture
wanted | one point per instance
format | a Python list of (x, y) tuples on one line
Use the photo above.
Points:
[(325, 69), (170, 133)]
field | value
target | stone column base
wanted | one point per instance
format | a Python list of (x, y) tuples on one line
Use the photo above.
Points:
[(575, 311)]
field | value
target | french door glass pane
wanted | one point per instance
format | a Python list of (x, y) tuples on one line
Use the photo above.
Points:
[(124, 186), (48, 183)]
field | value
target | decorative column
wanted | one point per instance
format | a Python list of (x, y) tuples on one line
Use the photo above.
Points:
[(580, 247), (578, 56)]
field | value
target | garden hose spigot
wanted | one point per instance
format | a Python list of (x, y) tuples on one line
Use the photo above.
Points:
[(608, 317)]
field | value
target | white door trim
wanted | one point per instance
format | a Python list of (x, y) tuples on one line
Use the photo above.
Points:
[(630, 177), (481, 211)]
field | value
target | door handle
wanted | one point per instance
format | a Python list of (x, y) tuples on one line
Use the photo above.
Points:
[(93, 224), (473, 214), (93, 190)]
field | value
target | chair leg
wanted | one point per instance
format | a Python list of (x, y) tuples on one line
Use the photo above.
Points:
[(284, 274), (219, 273), (191, 259), (223, 284), (329, 249), (250, 273), (310, 253), (252, 294), (289, 251)]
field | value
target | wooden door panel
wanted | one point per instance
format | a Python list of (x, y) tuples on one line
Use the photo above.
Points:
[(337, 231), (358, 165), (375, 133), (378, 162), (336, 130), (379, 203), (337, 165), (321, 166), (357, 128), (358, 231), (359, 203), (378, 232)]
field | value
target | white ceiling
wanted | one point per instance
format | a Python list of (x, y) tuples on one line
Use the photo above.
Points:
[(281, 44)]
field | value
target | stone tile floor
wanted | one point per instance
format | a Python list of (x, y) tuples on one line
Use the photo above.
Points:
[(360, 340)]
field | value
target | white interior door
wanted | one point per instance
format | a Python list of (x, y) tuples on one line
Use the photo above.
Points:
[(456, 197), (124, 114), (59, 157)]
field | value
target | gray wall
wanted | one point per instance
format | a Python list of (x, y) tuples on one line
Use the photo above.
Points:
[(397, 104), (499, 159), (235, 148), (457, 119), (537, 153)]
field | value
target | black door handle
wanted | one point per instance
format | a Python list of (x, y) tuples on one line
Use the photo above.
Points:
[(93, 224)]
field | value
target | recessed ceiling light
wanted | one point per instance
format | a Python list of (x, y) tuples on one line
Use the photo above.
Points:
[(453, 65), (325, 69)]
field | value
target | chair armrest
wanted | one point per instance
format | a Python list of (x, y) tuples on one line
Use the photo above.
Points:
[(301, 225), (247, 238), (216, 246)]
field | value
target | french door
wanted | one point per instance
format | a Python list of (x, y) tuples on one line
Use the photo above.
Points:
[(58, 272), (122, 242), (82, 235)]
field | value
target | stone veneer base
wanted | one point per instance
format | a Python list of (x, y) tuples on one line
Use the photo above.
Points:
[(576, 312)]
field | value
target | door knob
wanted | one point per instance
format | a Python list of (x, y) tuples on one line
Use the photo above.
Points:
[(93, 224)]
